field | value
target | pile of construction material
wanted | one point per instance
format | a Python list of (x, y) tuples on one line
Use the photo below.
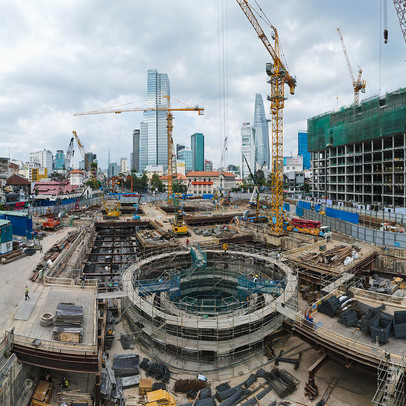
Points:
[(387, 286), (68, 323), (122, 375), (74, 398), (218, 231), (12, 256), (52, 254), (371, 321), (246, 393), (334, 256), (157, 370)]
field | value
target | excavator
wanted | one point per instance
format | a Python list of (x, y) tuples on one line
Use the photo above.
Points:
[(179, 226)]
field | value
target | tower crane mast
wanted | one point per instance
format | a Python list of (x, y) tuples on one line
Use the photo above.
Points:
[(358, 85), (169, 119), (279, 76)]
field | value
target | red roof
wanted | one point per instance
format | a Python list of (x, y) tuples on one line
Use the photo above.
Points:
[(55, 188), (178, 176), (209, 174), (17, 180)]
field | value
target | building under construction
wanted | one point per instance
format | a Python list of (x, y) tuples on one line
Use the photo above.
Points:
[(358, 152)]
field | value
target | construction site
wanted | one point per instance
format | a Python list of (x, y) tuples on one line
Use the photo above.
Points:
[(219, 297)]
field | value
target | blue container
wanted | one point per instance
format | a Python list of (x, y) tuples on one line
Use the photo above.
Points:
[(343, 215), (21, 222)]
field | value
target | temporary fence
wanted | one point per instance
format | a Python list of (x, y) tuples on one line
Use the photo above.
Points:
[(369, 235)]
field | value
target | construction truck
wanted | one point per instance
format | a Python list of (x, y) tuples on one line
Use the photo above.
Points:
[(311, 227)]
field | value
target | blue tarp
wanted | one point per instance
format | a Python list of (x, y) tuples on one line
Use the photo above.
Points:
[(207, 196), (286, 206), (317, 208), (343, 215)]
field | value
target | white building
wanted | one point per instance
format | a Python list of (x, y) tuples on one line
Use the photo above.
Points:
[(206, 182), (43, 158), (76, 177), (293, 164), (124, 165), (247, 149), (181, 167)]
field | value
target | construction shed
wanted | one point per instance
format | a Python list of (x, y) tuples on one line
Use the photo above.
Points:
[(21, 222)]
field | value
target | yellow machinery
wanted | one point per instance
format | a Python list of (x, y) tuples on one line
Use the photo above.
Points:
[(110, 212), (358, 85), (279, 75), (160, 397), (179, 227), (169, 119)]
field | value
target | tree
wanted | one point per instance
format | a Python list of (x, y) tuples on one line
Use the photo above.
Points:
[(156, 183), (260, 177), (179, 187), (306, 187)]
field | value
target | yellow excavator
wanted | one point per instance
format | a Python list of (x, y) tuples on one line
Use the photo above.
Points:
[(179, 226)]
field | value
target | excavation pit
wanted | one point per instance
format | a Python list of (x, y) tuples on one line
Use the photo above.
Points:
[(210, 309)]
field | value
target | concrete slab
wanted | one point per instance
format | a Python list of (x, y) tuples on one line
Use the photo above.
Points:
[(27, 306)]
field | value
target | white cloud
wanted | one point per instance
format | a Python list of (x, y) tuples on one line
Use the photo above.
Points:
[(68, 56)]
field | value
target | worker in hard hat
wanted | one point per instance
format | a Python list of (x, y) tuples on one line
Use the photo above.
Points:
[(26, 292)]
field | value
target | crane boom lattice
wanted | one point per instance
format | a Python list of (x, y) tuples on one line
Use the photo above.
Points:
[(279, 75), (400, 6)]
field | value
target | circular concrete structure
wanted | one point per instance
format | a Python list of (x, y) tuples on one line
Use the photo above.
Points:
[(206, 313)]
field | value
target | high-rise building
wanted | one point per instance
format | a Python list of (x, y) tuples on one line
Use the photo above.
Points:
[(59, 164), (124, 165), (261, 134), (208, 165), (43, 158), (358, 152), (114, 169), (248, 149), (197, 142), (179, 147), (302, 149), (135, 162), (89, 159), (153, 128), (186, 155)]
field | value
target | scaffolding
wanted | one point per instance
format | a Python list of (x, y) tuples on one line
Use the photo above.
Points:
[(373, 118), (391, 383), (210, 333)]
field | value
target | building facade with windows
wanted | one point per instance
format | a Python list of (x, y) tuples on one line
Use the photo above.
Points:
[(197, 143), (59, 163), (208, 165), (248, 149), (186, 155), (303, 150), (205, 182), (153, 128), (43, 158), (261, 135)]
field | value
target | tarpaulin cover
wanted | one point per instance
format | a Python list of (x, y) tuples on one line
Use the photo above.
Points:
[(342, 215), (126, 364)]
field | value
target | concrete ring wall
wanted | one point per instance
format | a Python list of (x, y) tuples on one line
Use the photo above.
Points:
[(224, 338)]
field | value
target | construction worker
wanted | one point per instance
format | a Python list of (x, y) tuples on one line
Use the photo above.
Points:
[(26, 292), (187, 241), (82, 279), (64, 382)]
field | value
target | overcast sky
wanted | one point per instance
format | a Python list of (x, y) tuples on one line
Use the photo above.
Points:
[(66, 56)]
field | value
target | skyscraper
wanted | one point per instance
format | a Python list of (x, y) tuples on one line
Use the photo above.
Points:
[(59, 160), (302, 149), (153, 128), (261, 134), (248, 149), (135, 162), (179, 147), (197, 142), (186, 155), (89, 159)]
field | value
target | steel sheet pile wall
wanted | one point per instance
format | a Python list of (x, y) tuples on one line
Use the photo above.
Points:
[(368, 235), (342, 215)]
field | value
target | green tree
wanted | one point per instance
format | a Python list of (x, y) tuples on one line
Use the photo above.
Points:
[(306, 187), (179, 187), (260, 177), (156, 183)]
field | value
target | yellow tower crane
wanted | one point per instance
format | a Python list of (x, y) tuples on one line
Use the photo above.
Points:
[(358, 85), (279, 75), (169, 120)]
